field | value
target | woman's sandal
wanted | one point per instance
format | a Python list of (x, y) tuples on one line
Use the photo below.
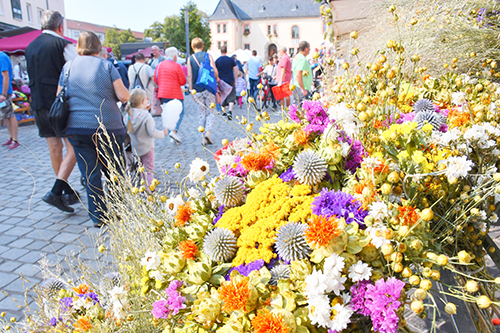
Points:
[(208, 140)]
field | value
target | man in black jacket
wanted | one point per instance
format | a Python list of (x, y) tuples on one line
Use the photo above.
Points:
[(45, 57)]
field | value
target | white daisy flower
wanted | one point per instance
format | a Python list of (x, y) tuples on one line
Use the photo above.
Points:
[(378, 210), (340, 318), (494, 218), (457, 166), (319, 310), (346, 298), (193, 193), (151, 260), (377, 235), (315, 283), (359, 271), (198, 170), (335, 284), (173, 204), (333, 265), (458, 98)]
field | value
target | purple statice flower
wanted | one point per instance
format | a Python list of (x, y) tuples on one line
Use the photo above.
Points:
[(382, 300), (160, 309), (53, 321), (406, 117), (355, 157), (173, 304), (93, 296), (357, 303), (340, 204), (443, 128), (66, 303), (246, 269), (292, 112), (316, 116), (288, 175), (218, 215)]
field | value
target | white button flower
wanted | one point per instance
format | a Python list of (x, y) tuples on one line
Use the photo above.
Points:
[(359, 271), (151, 260)]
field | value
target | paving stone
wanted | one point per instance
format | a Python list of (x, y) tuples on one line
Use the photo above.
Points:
[(37, 245), (18, 231), (21, 242), (9, 266), (14, 253), (42, 234), (7, 278), (65, 237), (28, 270), (10, 211), (6, 239), (53, 247)]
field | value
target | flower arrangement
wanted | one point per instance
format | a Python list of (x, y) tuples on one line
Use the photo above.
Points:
[(337, 218)]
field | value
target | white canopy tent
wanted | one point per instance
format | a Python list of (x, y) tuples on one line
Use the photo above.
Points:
[(242, 55)]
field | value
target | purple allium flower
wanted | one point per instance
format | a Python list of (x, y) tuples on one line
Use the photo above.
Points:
[(340, 204), (53, 321), (358, 298), (292, 112), (288, 175), (246, 269), (218, 215), (382, 300), (66, 303)]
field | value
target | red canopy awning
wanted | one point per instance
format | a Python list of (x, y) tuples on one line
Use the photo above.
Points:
[(147, 53), (18, 44)]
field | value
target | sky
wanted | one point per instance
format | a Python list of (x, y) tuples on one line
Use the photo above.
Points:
[(133, 14)]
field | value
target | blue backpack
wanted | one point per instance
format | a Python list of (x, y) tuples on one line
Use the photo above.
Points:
[(206, 75)]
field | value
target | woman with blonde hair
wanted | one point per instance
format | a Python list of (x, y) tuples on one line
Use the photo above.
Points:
[(94, 88), (142, 131)]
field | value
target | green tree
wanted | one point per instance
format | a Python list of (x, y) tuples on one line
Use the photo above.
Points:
[(115, 37), (173, 28)]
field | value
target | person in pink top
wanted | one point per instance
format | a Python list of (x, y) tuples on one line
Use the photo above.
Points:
[(284, 73), (169, 77)]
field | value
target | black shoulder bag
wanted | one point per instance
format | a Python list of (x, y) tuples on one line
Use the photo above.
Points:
[(59, 111)]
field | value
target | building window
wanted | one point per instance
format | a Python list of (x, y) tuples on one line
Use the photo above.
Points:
[(28, 12), (40, 13), (291, 51), (47, 3), (225, 44), (17, 12), (224, 28), (218, 28), (76, 34), (275, 29), (101, 37), (246, 29), (268, 30), (219, 45), (295, 32), (246, 46), (262, 8)]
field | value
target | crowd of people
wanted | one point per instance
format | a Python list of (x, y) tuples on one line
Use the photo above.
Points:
[(97, 84)]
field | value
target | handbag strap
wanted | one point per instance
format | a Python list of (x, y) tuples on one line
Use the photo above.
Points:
[(197, 60)]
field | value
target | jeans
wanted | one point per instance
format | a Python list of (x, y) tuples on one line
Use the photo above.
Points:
[(92, 162), (181, 115), (253, 87)]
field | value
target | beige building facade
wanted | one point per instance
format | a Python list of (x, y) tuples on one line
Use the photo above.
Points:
[(266, 26), (27, 13)]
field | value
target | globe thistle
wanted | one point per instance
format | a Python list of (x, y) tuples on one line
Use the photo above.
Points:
[(53, 285), (309, 167), (220, 245), (290, 243), (431, 117), (280, 272), (423, 104), (229, 191)]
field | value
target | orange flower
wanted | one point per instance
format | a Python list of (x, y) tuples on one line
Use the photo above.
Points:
[(377, 124), (256, 161), (458, 119), (82, 289), (235, 294), (83, 323), (322, 230), (408, 215), (301, 137), (271, 149), (382, 168), (267, 322), (183, 214), (188, 249)]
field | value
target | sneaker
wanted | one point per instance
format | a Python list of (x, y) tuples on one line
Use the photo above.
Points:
[(14, 144), (175, 137), (8, 143), (230, 115), (57, 201)]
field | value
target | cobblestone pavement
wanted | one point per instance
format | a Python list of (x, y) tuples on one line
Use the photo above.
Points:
[(30, 228)]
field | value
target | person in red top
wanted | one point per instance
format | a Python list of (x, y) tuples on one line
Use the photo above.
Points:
[(284, 73), (169, 77)]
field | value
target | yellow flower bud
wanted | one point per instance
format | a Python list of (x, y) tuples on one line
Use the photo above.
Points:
[(407, 272), (420, 294), (471, 286), (292, 87), (450, 308), (201, 129), (417, 306), (464, 257), (243, 93), (101, 248), (483, 302), (212, 105), (260, 86), (426, 284), (193, 92), (386, 189), (225, 142), (354, 35), (251, 99), (414, 280)]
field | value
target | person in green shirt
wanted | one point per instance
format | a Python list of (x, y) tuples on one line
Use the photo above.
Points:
[(302, 72)]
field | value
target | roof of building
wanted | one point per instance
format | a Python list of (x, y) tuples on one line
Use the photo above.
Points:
[(265, 9), (86, 26)]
